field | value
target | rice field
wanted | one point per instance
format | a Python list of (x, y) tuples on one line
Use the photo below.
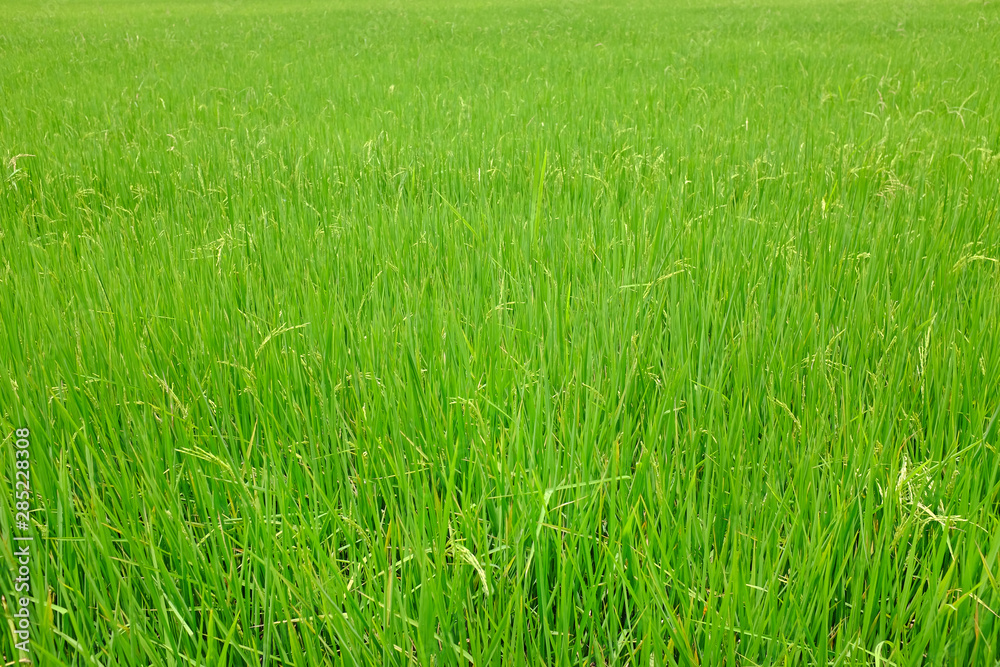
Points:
[(501, 332)]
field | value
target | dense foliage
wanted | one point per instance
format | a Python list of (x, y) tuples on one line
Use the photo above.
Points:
[(504, 333)]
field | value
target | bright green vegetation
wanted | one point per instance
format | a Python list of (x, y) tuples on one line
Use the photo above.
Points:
[(504, 335)]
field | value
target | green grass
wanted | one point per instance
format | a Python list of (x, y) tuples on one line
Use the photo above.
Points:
[(504, 334)]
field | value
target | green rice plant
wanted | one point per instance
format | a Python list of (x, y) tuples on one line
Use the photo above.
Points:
[(503, 333)]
